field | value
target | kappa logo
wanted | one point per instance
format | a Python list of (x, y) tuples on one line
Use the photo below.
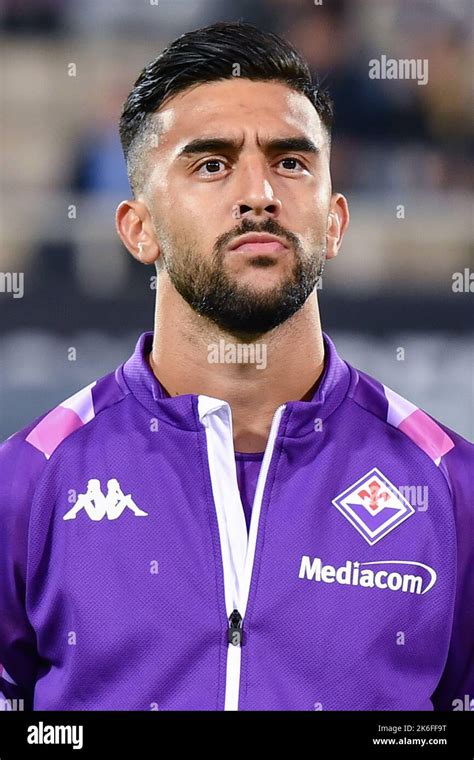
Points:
[(98, 506), (373, 506)]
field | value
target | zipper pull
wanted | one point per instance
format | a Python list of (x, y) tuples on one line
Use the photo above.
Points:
[(235, 632)]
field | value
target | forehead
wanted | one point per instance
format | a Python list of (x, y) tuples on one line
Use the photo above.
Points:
[(235, 106)]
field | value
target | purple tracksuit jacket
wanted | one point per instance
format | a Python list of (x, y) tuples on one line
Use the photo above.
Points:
[(144, 565)]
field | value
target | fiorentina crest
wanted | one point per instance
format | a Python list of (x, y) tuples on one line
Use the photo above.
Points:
[(373, 506)]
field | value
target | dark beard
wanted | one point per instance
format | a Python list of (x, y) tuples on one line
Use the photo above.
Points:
[(239, 310)]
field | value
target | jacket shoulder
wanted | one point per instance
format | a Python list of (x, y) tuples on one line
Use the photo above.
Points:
[(446, 448), (25, 453)]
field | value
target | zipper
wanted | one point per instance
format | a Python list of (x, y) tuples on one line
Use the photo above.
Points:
[(237, 546), (235, 632)]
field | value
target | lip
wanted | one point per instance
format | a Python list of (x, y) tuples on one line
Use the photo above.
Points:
[(258, 242)]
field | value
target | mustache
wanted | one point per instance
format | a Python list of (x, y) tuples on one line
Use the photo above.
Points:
[(269, 226)]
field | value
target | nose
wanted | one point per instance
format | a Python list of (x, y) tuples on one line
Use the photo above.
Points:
[(256, 197)]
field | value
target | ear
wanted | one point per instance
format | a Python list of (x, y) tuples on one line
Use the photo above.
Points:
[(135, 229), (338, 221)]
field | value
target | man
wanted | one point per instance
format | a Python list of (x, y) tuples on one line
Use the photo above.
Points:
[(284, 560)]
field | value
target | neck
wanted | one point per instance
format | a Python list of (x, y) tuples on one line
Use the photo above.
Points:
[(255, 376)]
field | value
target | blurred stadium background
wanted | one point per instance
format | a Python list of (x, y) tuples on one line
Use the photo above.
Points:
[(396, 143)]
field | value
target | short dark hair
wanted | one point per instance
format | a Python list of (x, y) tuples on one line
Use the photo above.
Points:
[(206, 55)]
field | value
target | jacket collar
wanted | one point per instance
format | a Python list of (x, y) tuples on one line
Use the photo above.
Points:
[(299, 417)]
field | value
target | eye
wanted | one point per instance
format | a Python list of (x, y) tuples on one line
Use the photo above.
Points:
[(210, 162), (292, 159)]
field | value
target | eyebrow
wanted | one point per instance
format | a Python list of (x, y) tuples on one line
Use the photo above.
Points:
[(299, 144)]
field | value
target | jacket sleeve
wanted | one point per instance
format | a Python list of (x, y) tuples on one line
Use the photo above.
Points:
[(20, 467), (455, 690)]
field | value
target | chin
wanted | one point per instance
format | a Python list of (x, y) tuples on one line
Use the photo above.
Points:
[(264, 280)]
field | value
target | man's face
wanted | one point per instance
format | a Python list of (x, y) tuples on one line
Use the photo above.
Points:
[(203, 198)]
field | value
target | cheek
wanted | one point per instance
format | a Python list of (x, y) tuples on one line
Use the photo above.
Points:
[(308, 198), (182, 226), (314, 218), (200, 221), (184, 208)]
